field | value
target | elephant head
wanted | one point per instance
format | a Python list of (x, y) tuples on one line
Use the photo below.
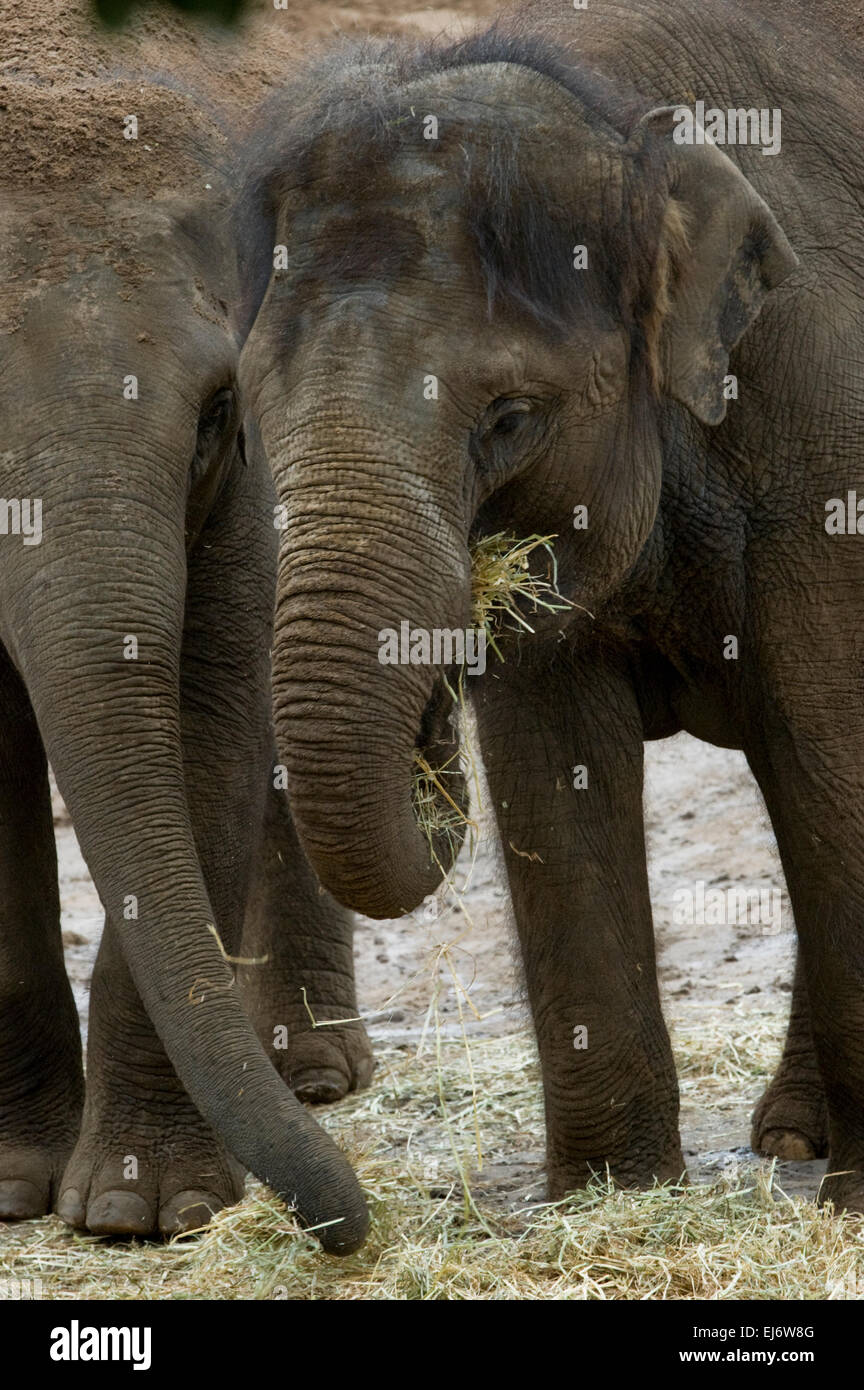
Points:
[(490, 277)]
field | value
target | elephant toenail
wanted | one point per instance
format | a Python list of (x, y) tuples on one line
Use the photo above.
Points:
[(320, 1086), (186, 1211), (788, 1145), (119, 1214), (70, 1208), (20, 1199)]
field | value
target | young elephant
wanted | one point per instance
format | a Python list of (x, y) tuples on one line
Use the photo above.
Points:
[(137, 572), (509, 296)]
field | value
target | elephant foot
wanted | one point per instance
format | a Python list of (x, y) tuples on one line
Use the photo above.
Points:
[(791, 1120), (147, 1179), (322, 1064), (637, 1173)]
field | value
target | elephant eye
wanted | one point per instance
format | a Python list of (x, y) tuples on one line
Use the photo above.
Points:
[(217, 421), (508, 430), (505, 416), (215, 417)]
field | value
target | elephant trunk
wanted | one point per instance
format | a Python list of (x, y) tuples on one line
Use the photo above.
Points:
[(366, 559), (109, 574)]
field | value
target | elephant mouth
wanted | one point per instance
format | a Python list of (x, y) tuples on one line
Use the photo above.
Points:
[(440, 793)]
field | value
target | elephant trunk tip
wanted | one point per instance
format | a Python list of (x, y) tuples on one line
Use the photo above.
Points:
[(382, 817), (344, 1236), (390, 870)]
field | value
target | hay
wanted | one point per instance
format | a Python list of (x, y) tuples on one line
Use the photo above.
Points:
[(501, 578), (738, 1238), (440, 817)]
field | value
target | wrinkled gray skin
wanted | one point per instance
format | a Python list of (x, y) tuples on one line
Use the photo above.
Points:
[(703, 521), (158, 524)]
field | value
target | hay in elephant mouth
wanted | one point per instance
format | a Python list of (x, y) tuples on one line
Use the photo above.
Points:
[(501, 581)]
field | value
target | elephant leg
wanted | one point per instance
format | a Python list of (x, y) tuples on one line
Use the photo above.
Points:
[(791, 1118), (575, 860), (41, 1077), (146, 1161), (807, 761), (308, 942)]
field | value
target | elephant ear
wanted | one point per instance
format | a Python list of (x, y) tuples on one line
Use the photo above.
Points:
[(721, 251)]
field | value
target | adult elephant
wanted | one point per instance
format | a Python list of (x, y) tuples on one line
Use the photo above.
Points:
[(137, 568), (510, 296)]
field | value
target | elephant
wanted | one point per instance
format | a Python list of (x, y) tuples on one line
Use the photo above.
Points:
[(137, 580), (515, 285)]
